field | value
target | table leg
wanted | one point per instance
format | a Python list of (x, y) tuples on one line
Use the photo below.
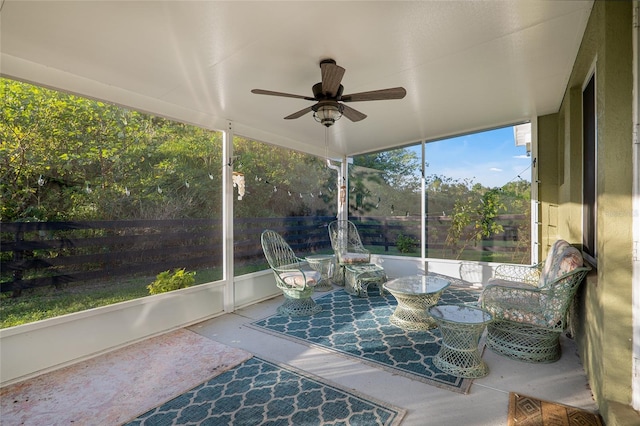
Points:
[(411, 312), (459, 354)]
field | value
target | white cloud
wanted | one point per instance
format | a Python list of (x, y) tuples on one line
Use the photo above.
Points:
[(523, 156), (495, 169)]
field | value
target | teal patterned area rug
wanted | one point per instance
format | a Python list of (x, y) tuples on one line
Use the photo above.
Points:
[(259, 392), (359, 328)]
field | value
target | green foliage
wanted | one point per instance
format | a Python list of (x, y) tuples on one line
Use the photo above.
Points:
[(64, 157), (396, 167), (474, 218), (380, 182), (280, 182), (406, 244), (488, 210), (166, 281), (460, 220)]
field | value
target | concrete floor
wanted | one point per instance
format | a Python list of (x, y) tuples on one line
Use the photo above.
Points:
[(486, 403)]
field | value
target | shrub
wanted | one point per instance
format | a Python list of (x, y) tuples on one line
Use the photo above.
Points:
[(406, 244), (165, 281)]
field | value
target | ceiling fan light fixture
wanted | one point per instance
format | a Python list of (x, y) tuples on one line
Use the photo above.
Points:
[(327, 114)]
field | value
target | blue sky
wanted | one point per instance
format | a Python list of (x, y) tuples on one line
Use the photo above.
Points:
[(490, 158)]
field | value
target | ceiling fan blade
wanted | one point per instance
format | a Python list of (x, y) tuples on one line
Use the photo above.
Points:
[(376, 95), (352, 114), (331, 77), (298, 114), (285, 95)]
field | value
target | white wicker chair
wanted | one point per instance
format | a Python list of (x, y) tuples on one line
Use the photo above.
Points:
[(293, 276), (529, 304), (347, 246)]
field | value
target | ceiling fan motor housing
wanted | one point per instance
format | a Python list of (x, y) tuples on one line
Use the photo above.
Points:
[(320, 95)]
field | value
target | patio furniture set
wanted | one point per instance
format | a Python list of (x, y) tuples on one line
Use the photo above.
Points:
[(523, 308)]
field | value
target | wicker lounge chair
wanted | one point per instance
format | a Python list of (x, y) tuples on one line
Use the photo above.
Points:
[(347, 246), (293, 276), (530, 304)]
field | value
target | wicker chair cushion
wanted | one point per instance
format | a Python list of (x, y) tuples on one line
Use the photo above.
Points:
[(567, 259), (298, 279), (349, 258), (553, 257), (346, 243)]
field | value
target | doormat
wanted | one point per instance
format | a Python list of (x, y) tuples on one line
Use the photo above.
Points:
[(528, 411), (260, 392), (359, 328), (117, 386)]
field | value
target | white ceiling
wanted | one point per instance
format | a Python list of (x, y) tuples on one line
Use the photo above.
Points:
[(466, 65)]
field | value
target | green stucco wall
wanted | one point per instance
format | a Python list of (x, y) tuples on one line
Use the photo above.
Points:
[(603, 324), (547, 163)]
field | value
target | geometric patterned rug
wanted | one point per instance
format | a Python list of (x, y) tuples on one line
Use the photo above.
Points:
[(359, 328), (528, 411), (261, 392)]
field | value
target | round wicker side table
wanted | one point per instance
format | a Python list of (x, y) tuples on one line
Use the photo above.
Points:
[(415, 295), (461, 327)]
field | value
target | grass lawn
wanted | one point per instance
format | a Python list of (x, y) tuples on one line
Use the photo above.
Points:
[(48, 302)]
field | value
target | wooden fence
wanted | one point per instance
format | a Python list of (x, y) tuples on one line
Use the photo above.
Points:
[(36, 254)]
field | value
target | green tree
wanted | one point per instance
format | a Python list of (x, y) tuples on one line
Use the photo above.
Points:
[(67, 158), (487, 212), (385, 183), (474, 218), (281, 182), (399, 168)]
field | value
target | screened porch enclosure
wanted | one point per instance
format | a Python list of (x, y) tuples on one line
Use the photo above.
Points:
[(114, 202), (116, 197)]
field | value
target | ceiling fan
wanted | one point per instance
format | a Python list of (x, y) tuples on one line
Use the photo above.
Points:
[(329, 99)]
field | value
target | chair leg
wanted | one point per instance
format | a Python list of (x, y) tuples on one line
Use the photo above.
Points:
[(296, 307), (340, 276), (523, 342)]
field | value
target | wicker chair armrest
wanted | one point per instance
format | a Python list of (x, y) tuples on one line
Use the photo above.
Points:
[(303, 268), (518, 302), (507, 286), (296, 265), (574, 276), (286, 269), (304, 264), (511, 291), (519, 273)]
